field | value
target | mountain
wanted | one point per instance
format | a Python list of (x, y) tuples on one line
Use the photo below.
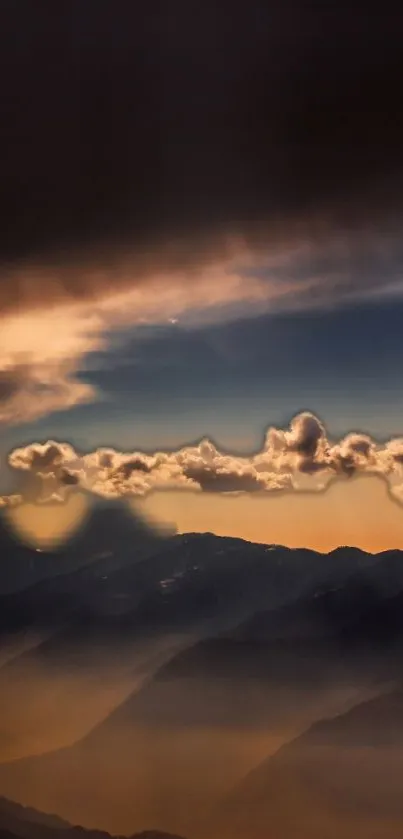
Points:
[(345, 629), (152, 582), (20, 564), (16, 818), (260, 641), (343, 777), (355, 624), (80, 833), (120, 617), (18, 822), (215, 709), (109, 536)]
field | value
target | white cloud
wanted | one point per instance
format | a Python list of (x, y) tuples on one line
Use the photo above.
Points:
[(298, 458)]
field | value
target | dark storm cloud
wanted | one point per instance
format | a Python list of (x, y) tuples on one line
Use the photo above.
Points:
[(160, 127)]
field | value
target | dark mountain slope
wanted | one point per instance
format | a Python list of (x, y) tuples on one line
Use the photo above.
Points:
[(109, 536), (154, 582), (212, 712), (217, 708), (17, 822), (115, 622)]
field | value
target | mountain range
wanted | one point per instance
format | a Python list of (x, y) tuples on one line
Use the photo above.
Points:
[(109, 536), (204, 684), (18, 822)]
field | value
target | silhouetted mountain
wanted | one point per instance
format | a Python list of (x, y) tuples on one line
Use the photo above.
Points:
[(20, 564), (197, 583), (14, 816), (80, 833), (337, 603), (274, 673), (283, 632), (113, 623), (185, 588), (18, 822), (28, 823), (339, 630), (109, 537), (152, 583), (343, 777)]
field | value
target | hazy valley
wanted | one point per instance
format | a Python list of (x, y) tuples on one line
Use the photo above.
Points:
[(178, 682)]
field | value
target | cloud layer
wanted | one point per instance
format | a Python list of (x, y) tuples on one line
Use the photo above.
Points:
[(45, 344), (299, 458), (188, 158), (42, 350), (153, 123)]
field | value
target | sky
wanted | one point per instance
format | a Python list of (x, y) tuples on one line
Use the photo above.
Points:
[(201, 289)]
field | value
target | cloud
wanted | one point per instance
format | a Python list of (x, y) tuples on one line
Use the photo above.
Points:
[(158, 138), (298, 458), (44, 350), (156, 124), (178, 166), (36, 391)]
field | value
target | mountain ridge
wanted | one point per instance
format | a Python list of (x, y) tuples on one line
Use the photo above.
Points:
[(253, 618), (21, 822)]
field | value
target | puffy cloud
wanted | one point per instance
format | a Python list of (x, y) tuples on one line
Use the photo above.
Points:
[(297, 458), (302, 448), (46, 475)]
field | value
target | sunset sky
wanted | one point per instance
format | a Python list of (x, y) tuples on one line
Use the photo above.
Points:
[(201, 240)]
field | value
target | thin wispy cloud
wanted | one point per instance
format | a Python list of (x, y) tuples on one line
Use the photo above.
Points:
[(45, 344)]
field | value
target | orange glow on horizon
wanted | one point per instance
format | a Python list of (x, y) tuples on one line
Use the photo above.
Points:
[(358, 512), (45, 525)]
